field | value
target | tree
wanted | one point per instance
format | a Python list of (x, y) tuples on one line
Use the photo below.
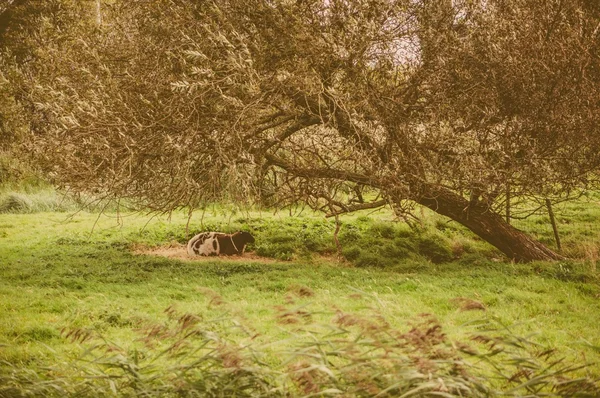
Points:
[(457, 106), (26, 27)]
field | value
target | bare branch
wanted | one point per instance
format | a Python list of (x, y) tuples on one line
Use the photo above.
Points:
[(341, 175), (353, 208)]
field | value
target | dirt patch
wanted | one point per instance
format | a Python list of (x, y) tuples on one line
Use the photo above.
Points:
[(179, 252)]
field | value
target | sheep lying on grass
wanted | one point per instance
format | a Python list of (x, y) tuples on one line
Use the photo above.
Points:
[(218, 243)]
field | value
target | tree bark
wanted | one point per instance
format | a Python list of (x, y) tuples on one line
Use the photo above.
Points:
[(553, 222), (489, 226), (475, 214)]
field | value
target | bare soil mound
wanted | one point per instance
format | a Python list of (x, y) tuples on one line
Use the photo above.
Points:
[(178, 251)]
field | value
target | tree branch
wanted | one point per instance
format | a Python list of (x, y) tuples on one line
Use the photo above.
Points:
[(301, 123), (363, 206), (276, 120), (335, 174)]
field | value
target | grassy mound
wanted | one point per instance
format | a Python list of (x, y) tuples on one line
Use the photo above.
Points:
[(16, 203), (366, 242)]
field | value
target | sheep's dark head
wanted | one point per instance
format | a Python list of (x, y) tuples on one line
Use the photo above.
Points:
[(245, 237)]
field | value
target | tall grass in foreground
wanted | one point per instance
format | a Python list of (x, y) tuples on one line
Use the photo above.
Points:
[(353, 356)]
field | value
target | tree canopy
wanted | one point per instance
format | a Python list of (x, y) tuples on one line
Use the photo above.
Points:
[(459, 106)]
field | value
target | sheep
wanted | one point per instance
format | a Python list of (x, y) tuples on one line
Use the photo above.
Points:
[(218, 243)]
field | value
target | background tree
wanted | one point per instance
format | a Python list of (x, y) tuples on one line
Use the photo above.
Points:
[(29, 31), (451, 105)]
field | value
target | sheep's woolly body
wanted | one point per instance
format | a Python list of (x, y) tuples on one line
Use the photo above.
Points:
[(204, 244)]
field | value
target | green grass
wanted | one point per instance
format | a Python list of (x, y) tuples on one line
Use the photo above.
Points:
[(47, 199), (62, 274), (578, 225)]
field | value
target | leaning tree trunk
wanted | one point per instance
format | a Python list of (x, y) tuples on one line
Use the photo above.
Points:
[(488, 225)]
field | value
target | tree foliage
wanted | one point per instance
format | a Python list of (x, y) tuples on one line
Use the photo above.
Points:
[(455, 105)]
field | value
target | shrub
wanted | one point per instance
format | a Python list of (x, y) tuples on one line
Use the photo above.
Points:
[(283, 238), (407, 244), (394, 251), (370, 259), (280, 251), (16, 203), (316, 244), (293, 237), (351, 253), (349, 234), (383, 230), (435, 247), (363, 219)]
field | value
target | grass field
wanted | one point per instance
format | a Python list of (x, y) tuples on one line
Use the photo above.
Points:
[(86, 306)]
